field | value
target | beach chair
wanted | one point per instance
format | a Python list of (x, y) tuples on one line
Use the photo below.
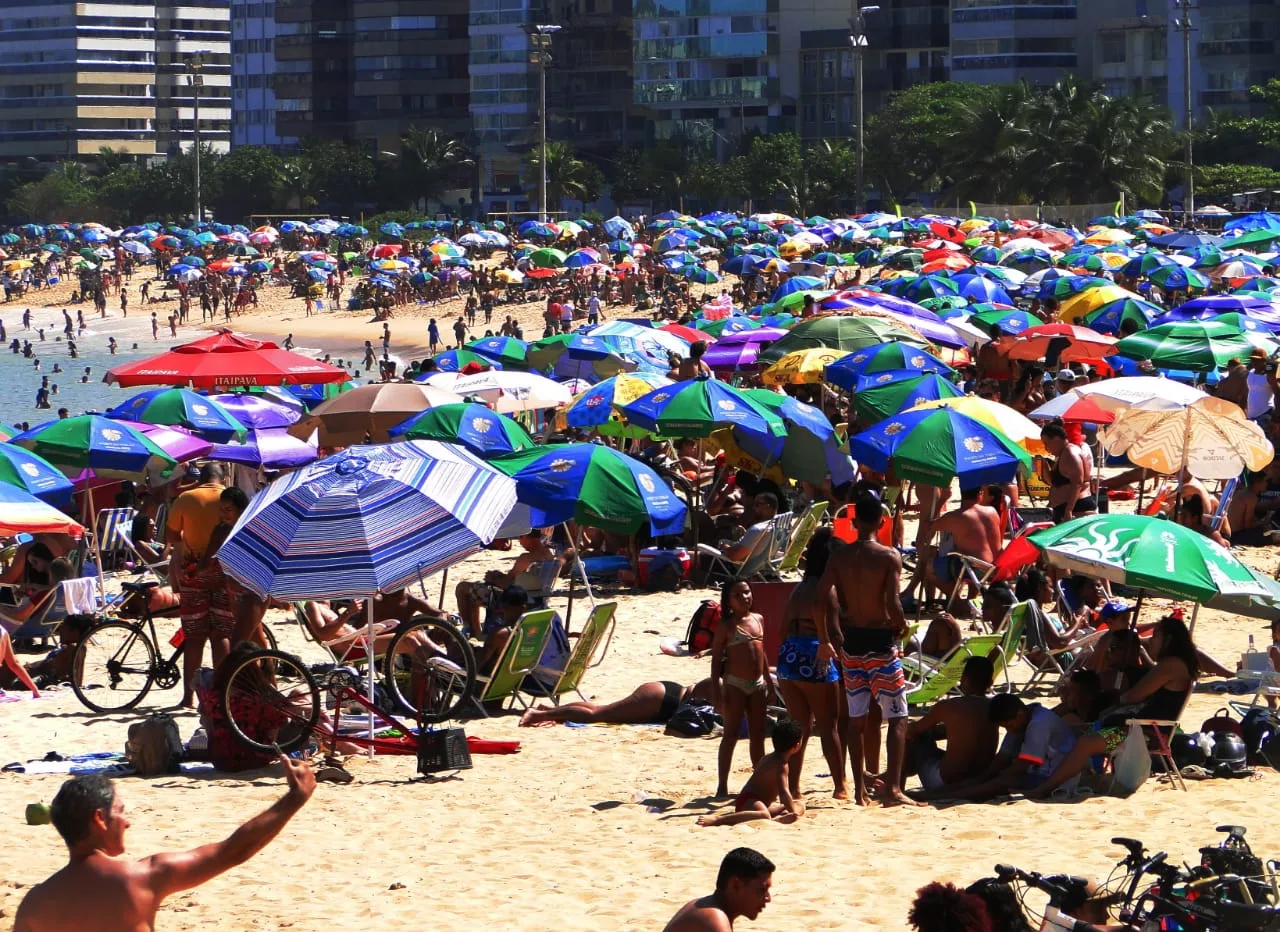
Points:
[(939, 679), (1012, 631), (1158, 732), (594, 638), (519, 658), (755, 563), (1224, 501), (113, 529), (355, 654), (801, 534), (42, 622), (1053, 661), (1256, 664)]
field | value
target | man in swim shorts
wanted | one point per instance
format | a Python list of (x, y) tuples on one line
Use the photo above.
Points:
[(965, 725), (866, 578)]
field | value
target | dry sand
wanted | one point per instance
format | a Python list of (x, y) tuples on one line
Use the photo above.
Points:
[(551, 838)]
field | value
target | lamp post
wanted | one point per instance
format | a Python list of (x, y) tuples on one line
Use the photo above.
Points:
[(858, 44), (1183, 23), (195, 80), (540, 55)]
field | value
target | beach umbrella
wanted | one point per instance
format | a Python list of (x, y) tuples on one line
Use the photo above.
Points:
[(1072, 408), (110, 448), (481, 430), (884, 357), (179, 443), (839, 332), (33, 474), (1008, 421), (1073, 343), (547, 258), (23, 513), (1110, 317), (258, 412), (223, 360), (601, 356), (182, 407), (1214, 304), (1003, 320), (686, 333), (1210, 438), (1178, 279), (1114, 394), (802, 367), (270, 448), (937, 445), (809, 451), (506, 392), (455, 360), (697, 407), (1147, 553), (1074, 308), (8, 432), (1198, 346), (880, 395), (726, 326), (597, 407), (506, 350), (595, 486), (369, 411)]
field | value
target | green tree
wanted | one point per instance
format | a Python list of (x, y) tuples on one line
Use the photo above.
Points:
[(431, 162), (770, 162), (247, 180), (1219, 182), (60, 195), (987, 144), (568, 177), (342, 176)]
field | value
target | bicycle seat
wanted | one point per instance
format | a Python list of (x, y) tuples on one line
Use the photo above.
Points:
[(144, 586)]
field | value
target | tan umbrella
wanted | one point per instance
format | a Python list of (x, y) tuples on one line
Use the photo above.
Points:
[(1211, 438), (369, 411)]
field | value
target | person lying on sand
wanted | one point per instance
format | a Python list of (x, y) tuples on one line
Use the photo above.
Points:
[(99, 890), (742, 889), (767, 794), (649, 703), (965, 725)]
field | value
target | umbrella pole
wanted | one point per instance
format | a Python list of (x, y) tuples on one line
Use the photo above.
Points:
[(444, 581), (368, 652), (1182, 469), (1142, 489), (580, 568), (92, 524), (1194, 612)]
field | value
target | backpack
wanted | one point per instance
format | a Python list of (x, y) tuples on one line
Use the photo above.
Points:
[(154, 745), (695, 718), (702, 627)]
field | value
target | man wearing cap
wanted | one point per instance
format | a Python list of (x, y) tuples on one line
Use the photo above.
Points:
[(192, 519), (1115, 615), (1262, 388), (1066, 380)]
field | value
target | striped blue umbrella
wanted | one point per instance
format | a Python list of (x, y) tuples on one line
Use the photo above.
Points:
[(369, 519)]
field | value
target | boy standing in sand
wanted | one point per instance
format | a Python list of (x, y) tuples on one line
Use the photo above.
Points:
[(742, 889), (767, 795)]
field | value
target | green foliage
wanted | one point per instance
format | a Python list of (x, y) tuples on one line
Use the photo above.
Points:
[(60, 195), (1219, 182), (244, 180), (430, 163), (568, 176)]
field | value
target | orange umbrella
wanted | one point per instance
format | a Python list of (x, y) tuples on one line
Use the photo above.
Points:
[(1035, 342)]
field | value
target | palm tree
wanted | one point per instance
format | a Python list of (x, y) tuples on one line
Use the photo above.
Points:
[(567, 175), (1113, 146), (431, 161), (989, 145), (297, 182)]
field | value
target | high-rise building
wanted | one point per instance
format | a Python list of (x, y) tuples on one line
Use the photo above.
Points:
[(504, 95), (75, 77), (1130, 48), (366, 71), (1004, 41), (253, 71), (1235, 45), (589, 82)]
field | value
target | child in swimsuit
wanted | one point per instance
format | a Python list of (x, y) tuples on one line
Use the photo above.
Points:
[(767, 795), (739, 676)]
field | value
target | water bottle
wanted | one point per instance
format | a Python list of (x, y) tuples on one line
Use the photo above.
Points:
[(1251, 644)]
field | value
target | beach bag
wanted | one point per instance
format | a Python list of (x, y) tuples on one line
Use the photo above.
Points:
[(695, 718), (702, 627), (554, 658), (1131, 763), (154, 745), (1222, 721)]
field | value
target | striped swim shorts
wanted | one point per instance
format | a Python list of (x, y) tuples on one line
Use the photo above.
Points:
[(877, 676)]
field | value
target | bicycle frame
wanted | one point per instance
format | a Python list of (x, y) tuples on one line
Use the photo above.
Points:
[(407, 743)]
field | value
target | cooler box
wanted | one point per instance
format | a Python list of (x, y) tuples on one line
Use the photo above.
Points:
[(683, 559)]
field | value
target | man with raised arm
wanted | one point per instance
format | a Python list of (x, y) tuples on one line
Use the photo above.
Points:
[(101, 891)]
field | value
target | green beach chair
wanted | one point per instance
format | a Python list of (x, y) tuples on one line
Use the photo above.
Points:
[(519, 658), (1012, 633), (941, 679), (801, 534), (595, 637)]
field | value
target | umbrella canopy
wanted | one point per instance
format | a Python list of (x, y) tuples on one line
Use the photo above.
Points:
[(810, 451), (1211, 438), (112, 449), (843, 333), (257, 411), (371, 410), (1198, 346), (1003, 418), (883, 394), (1073, 343), (506, 350), (886, 357), (225, 359), (24, 470), (697, 407), (183, 408), (1072, 408), (802, 367), (23, 513), (367, 520), (1147, 553), (273, 448), (597, 407), (481, 430), (937, 445), (505, 391), (604, 355), (1114, 394), (1111, 317), (592, 485)]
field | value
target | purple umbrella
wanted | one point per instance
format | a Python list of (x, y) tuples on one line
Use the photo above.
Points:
[(759, 335), (738, 356), (178, 442), (274, 449), (928, 324), (257, 411)]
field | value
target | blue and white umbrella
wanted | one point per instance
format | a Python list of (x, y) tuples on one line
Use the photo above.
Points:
[(367, 520)]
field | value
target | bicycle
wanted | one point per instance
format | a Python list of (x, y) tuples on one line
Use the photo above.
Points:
[(120, 659), (1066, 893)]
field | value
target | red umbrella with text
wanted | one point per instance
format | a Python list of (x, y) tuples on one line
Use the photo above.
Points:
[(223, 360)]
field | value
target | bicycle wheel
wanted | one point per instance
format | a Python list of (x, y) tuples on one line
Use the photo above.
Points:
[(271, 699), (430, 669), (114, 667)]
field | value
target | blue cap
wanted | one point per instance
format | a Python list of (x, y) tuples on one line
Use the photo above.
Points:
[(1114, 608)]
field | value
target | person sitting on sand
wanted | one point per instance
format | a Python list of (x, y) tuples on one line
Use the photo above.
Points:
[(944, 907), (98, 891), (742, 889), (648, 704), (55, 667), (740, 676), (964, 723), (37, 597), (767, 795)]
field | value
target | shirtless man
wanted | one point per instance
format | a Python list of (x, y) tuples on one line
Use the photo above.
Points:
[(742, 889), (1070, 492), (100, 890), (972, 529), (965, 724), (866, 576)]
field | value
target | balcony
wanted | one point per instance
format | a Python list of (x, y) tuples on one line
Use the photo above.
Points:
[(1238, 47), (707, 91)]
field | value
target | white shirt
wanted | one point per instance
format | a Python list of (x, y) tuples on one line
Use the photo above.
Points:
[(1261, 398)]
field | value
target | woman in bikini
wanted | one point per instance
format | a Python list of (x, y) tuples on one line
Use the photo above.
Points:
[(739, 676), (811, 691)]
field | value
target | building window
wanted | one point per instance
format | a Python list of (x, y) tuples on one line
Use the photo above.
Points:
[(1113, 48), (1158, 46)]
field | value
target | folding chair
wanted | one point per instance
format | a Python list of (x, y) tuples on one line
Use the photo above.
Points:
[(519, 658), (1224, 501), (1158, 732), (48, 614), (801, 534), (595, 636), (1049, 660), (756, 561), (1257, 664), (114, 528), (942, 678)]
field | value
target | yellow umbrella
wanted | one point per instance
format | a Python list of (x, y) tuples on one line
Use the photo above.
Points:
[(1077, 306), (973, 224), (736, 458), (802, 367), (794, 247), (509, 276), (1105, 236), (17, 265), (1017, 427)]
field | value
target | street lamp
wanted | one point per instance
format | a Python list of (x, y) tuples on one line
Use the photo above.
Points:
[(540, 55), (858, 43), (195, 80), (1183, 23)]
